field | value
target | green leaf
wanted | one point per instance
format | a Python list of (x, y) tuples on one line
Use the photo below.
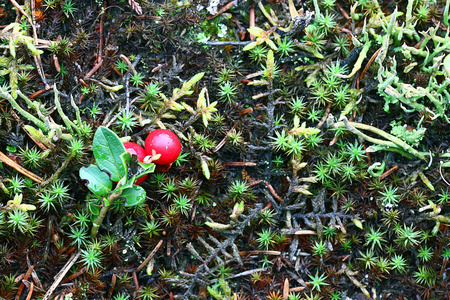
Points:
[(358, 223), (250, 46), (107, 149), (149, 168), (95, 210), (126, 158), (187, 85), (98, 181), (134, 195)]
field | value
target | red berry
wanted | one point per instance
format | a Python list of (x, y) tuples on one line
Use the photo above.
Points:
[(137, 150), (164, 142)]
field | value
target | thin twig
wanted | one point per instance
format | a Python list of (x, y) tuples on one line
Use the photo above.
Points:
[(227, 43), (149, 257), (22, 284), (61, 275), (286, 289), (252, 21), (5, 159), (128, 62), (113, 284), (136, 285), (222, 10), (30, 292), (369, 63), (60, 169), (94, 69), (272, 191), (388, 172), (74, 275), (343, 12), (36, 280), (240, 164), (223, 141)]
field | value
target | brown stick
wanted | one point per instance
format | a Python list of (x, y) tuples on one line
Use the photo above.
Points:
[(100, 46), (74, 275), (268, 252), (222, 10), (297, 289), (94, 69), (254, 182), (128, 62), (5, 159), (159, 67), (242, 30), (28, 284), (305, 232), (343, 12), (30, 292), (40, 92), (388, 172), (113, 284), (272, 191), (136, 284), (34, 276), (252, 21), (239, 164), (22, 284), (223, 141), (149, 257), (325, 117), (369, 63), (169, 246), (60, 275)]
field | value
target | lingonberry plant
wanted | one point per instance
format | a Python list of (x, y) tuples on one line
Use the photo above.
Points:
[(113, 165)]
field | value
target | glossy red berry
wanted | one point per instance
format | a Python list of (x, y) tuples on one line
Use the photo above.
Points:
[(164, 142), (137, 150)]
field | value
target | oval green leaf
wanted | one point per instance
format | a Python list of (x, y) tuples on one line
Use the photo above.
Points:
[(107, 149), (98, 181), (358, 223), (134, 196), (94, 209)]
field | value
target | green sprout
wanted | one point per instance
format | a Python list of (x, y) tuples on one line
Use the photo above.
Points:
[(68, 7), (227, 92), (136, 79), (91, 258), (320, 248), (266, 238), (317, 281)]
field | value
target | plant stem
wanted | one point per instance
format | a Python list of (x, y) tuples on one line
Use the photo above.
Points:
[(24, 113), (109, 201), (392, 141), (60, 169), (67, 121)]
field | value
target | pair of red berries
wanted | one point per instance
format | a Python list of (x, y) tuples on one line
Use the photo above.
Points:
[(159, 141)]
